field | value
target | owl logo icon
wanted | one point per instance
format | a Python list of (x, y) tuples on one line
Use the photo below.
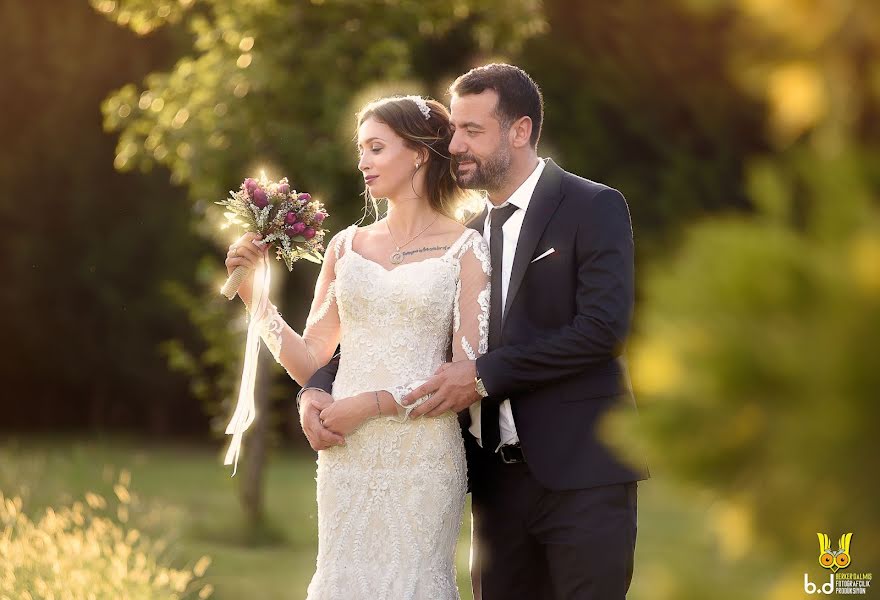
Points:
[(834, 559)]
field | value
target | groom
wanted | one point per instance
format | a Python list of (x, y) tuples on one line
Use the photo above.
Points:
[(554, 509)]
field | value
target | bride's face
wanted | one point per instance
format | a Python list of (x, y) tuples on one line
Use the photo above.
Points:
[(386, 162)]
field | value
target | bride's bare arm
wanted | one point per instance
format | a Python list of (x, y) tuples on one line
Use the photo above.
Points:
[(347, 414)]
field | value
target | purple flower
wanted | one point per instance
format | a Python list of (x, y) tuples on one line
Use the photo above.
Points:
[(250, 185), (304, 197), (290, 218), (290, 232), (319, 217), (308, 233), (297, 228), (284, 189), (260, 199)]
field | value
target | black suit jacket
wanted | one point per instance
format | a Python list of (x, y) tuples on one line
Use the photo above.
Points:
[(566, 320)]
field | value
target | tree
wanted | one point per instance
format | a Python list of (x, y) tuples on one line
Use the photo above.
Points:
[(85, 248), (754, 359), (638, 97), (275, 85)]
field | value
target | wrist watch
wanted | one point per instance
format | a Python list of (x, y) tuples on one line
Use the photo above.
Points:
[(478, 384)]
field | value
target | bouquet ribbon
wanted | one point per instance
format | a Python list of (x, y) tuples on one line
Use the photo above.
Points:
[(245, 411)]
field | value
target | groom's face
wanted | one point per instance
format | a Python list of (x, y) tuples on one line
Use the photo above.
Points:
[(480, 147)]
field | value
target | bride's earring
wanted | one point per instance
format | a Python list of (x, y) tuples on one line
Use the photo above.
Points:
[(418, 164)]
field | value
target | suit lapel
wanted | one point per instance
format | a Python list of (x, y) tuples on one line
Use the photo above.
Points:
[(545, 200)]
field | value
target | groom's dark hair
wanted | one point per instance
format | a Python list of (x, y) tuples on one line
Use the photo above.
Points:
[(518, 94)]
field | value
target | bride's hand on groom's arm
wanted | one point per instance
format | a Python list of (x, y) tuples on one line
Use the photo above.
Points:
[(453, 388), (312, 402)]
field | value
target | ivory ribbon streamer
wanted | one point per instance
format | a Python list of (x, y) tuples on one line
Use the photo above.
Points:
[(245, 412)]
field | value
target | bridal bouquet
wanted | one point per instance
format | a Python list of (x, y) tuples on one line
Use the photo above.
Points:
[(292, 222), (273, 209)]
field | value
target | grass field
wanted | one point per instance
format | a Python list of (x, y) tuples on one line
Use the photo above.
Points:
[(183, 493)]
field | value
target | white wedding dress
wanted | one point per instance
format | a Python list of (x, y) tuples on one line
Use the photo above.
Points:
[(390, 500)]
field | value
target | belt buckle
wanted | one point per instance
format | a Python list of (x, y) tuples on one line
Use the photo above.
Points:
[(516, 449)]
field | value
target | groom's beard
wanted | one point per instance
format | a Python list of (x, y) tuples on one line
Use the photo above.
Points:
[(486, 175)]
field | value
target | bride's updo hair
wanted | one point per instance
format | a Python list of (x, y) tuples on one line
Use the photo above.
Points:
[(405, 115)]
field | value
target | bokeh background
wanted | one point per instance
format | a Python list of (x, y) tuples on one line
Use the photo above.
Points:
[(745, 135)]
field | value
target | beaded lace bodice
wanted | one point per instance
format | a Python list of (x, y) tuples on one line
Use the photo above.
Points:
[(399, 322)]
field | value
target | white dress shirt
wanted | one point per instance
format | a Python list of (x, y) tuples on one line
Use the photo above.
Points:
[(511, 228)]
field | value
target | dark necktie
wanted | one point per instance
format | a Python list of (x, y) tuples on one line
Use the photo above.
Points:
[(490, 428)]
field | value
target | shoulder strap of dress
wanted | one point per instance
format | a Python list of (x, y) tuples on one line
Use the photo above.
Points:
[(465, 236), (347, 236), (340, 242)]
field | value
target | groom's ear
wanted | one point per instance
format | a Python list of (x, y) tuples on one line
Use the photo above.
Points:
[(522, 132)]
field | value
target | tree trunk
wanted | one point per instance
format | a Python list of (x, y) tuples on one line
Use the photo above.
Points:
[(255, 450)]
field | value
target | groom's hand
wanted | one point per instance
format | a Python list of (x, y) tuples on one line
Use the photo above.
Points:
[(312, 402), (453, 386)]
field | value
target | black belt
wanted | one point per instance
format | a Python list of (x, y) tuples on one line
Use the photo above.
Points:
[(511, 454)]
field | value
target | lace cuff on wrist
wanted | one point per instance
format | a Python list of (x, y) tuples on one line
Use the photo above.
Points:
[(398, 392)]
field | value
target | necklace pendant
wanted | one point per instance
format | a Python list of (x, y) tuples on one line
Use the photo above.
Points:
[(397, 257)]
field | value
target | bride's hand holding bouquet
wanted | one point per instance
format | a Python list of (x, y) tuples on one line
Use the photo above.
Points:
[(247, 251)]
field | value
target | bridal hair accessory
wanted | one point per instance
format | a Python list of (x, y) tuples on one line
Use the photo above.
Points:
[(423, 106), (290, 221)]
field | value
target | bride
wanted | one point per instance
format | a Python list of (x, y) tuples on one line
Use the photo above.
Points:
[(398, 295)]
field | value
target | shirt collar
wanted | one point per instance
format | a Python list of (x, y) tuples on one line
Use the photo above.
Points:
[(523, 194)]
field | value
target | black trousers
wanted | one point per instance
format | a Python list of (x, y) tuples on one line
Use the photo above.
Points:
[(533, 543)]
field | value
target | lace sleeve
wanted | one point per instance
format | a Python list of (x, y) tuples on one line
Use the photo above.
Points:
[(302, 355), (470, 327)]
